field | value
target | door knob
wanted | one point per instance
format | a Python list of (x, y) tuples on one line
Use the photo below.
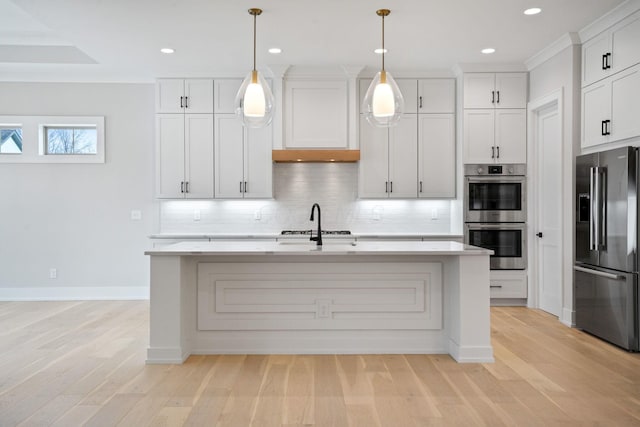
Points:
[(539, 235)]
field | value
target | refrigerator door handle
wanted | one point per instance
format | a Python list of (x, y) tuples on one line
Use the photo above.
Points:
[(602, 199), (592, 207), (599, 273)]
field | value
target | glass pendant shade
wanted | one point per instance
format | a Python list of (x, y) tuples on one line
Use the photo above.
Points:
[(254, 101), (383, 103)]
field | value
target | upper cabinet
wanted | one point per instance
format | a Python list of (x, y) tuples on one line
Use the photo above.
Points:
[(184, 96), (436, 95), (316, 114), (495, 90), (225, 91), (611, 51)]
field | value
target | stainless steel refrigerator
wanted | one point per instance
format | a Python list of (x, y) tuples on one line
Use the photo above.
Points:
[(606, 233)]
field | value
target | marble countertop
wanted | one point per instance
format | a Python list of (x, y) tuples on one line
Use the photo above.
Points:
[(382, 235), (294, 247)]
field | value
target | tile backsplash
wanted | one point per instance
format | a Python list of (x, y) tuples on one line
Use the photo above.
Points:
[(296, 187)]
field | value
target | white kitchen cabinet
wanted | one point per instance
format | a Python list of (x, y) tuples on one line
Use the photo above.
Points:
[(225, 91), (495, 136), (184, 156), (242, 159), (611, 107), (436, 96), (611, 51), (184, 96), (508, 284), (495, 90), (388, 165), (436, 156)]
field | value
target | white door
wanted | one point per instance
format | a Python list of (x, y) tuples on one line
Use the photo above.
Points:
[(436, 156), (198, 130), (511, 136), (479, 136), (479, 90), (596, 107), (548, 143), (170, 156), (403, 158), (170, 96), (258, 166), (374, 160), (625, 104), (198, 96), (229, 143), (511, 90)]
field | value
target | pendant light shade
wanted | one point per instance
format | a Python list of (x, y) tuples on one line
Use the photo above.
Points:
[(254, 101), (383, 103)]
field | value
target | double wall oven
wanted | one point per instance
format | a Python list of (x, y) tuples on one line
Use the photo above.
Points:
[(495, 212)]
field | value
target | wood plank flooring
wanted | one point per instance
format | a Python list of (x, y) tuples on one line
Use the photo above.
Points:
[(82, 363)]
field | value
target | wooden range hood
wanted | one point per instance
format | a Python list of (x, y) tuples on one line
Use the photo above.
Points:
[(317, 156)]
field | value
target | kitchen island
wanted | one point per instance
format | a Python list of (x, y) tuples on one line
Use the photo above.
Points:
[(343, 297)]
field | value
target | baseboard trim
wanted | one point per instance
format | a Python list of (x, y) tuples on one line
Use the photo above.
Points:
[(75, 293), (568, 317)]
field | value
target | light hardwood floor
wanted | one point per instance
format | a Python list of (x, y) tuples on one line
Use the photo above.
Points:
[(82, 363)]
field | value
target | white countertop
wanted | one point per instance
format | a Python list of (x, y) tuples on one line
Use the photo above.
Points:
[(382, 235), (329, 248)]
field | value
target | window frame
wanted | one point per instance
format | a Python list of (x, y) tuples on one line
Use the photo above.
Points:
[(34, 139)]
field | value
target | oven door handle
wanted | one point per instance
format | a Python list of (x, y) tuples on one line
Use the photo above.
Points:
[(496, 178)]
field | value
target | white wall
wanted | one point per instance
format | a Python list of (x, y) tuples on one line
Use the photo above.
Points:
[(297, 186), (76, 217), (562, 71)]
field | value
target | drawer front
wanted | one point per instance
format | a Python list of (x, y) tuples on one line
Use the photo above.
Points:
[(515, 287)]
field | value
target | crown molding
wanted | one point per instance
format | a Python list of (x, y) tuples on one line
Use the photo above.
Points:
[(566, 40), (608, 19)]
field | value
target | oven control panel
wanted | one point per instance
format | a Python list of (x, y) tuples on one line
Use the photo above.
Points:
[(516, 169)]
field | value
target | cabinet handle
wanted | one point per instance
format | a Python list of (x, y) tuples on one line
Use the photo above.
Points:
[(498, 150), (420, 98), (603, 131), (498, 97), (386, 186), (421, 186), (606, 127), (493, 152), (391, 187), (186, 187), (245, 186), (495, 286), (493, 96), (608, 60), (181, 98), (186, 102), (241, 186), (182, 186), (604, 61)]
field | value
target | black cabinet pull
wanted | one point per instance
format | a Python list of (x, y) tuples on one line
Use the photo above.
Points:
[(603, 131), (391, 187), (493, 152), (182, 186), (608, 60), (181, 98), (420, 102), (539, 235), (498, 150), (498, 97), (607, 130), (421, 186), (493, 96), (186, 102), (186, 186), (245, 186), (241, 186), (495, 286), (604, 61), (386, 186)]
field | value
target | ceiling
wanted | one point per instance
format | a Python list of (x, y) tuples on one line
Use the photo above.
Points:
[(121, 40)]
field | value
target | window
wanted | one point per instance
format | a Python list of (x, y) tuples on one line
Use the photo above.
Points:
[(10, 139), (70, 140)]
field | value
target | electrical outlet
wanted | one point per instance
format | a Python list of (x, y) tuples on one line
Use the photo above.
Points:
[(434, 214), (257, 215), (322, 308), (136, 215), (53, 273), (377, 213), (196, 214)]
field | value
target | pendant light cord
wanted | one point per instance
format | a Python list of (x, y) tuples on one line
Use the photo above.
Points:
[(382, 42), (254, 42)]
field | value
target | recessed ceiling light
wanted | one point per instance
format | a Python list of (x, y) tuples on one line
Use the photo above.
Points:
[(167, 50), (275, 50), (533, 11), (380, 51), (488, 50)]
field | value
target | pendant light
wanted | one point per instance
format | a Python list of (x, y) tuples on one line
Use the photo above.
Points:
[(383, 103), (254, 101)]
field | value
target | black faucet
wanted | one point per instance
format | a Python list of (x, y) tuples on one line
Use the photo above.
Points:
[(318, 238)]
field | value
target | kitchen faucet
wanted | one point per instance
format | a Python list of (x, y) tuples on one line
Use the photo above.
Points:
[(318, 238)]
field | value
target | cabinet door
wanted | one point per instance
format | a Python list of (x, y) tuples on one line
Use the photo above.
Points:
[(199, 156), (436, 156), (436, 96), (596, 107), (169, 156), (625, 43), (593, 65), (625, 104), (224, 94), (511, 136), (479, 90), (258, 166), (374, 160), (479, 136), (168, 94), (403, 158), (229, 156), (511, 90), (199, 96)]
